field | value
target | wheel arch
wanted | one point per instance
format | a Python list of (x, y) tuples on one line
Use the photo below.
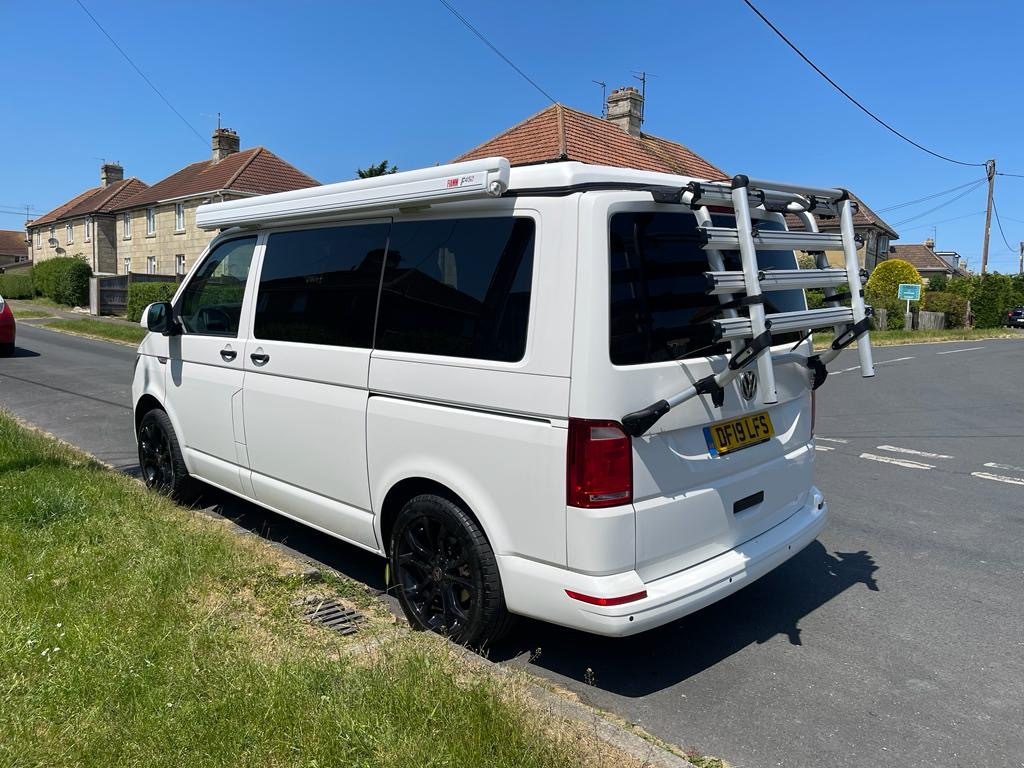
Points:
[(404, 490)]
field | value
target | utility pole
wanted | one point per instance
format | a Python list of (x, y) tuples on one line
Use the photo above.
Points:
[(1020, 261), (990, 171)]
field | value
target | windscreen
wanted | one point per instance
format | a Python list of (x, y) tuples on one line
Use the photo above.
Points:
[(659, 309)]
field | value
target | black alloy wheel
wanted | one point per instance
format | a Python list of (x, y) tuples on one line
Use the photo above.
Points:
[(446, 572), (160, 460)]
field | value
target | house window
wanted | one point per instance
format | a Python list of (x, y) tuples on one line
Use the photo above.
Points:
[(151, 265), (126, 221), (179, 264), (69, 233), (150, 221), (39, 238), (53, 236), (127, 265), (88, 230), (179, 217)]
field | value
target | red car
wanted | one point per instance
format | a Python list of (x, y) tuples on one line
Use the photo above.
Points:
[(6, 328)]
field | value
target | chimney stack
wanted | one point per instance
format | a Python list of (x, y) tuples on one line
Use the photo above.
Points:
[(225, 142), (930, 243), (626, 109), (109, 173)]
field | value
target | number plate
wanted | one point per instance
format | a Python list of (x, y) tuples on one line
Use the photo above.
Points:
[(734, 434)]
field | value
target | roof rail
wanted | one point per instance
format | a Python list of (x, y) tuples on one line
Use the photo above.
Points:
[(441, 184)]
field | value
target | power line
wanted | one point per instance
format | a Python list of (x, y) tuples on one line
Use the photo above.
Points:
[(942, 221), (839, 88), (140, 72), (1015, 175), (941, 205), (490, 45), (923, 199), (995, 210)]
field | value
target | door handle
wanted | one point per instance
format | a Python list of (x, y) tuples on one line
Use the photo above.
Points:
[(228, 354), (259, 358)]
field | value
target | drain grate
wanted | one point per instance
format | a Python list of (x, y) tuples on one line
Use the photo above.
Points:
[(334, 615)]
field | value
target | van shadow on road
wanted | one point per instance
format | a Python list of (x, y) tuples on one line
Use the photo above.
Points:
[(643, 664)]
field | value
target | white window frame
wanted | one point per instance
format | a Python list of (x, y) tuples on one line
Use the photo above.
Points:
[(53, 232), (88, 230), (126, 225), (150, 221), (69, 233), (179, 263), (39, 238), (127, 264), (151, 265), (179, 217)]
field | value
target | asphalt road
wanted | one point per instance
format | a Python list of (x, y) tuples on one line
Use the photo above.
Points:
[(898, 636)]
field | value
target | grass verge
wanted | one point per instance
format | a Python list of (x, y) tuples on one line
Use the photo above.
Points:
[(136, 633), (893, 338), (31, 314), (109, 330)]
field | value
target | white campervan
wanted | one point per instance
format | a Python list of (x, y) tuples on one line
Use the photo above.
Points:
[(577, 393)]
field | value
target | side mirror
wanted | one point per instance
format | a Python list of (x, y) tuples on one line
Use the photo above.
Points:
[(159, 318)]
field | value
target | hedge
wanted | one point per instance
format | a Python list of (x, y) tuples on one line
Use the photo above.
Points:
[(17, 286), (992, 299), (882, 288), (952, 305), (64, 279), (141, 295)]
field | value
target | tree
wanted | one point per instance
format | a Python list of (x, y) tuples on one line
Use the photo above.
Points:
[(382, 168), (882, 287), (938, 283)]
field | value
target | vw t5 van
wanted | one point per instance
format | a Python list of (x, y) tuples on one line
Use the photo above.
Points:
[(576, 393)]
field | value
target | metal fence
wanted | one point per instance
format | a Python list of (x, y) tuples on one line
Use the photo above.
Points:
[(108, 294)]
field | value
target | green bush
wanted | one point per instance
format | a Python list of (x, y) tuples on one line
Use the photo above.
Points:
[(952, 305), (938, 283), (64, 279), (17, 286), (993, 299), (963, 286), (141, 295), (883, 285)]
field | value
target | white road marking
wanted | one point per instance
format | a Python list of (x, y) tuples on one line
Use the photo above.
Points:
[(898, 462), (823, 448), (993, 465), (832, 440), (925, 454), (954, 351), (896, 360), (999, 478)]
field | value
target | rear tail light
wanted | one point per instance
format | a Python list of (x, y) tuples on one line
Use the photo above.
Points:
[(599, 466)]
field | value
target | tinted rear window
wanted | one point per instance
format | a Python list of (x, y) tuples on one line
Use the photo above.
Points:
[(458, 287), (658, 306)]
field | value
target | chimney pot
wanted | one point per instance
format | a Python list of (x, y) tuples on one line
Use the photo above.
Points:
[(109, 173), (929, 243), (225, 142), (626, 109)]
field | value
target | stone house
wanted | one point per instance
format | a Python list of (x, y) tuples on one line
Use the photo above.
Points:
[(13, 249), (559, 133), (926, 260), (84, 225), (156, 229)]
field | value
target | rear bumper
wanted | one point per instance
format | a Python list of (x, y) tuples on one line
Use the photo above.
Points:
[(538, 589)]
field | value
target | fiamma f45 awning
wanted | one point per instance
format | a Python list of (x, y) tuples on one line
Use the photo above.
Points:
[(444, 183)]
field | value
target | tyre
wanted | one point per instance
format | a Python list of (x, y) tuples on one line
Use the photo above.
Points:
[(160, 460), (446, 573), (6, 350)]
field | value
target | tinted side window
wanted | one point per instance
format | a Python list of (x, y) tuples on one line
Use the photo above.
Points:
[(659, 309), (458, 287), (320, 286), (211, 303)]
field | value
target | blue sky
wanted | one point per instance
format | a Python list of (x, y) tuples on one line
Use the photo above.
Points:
[(332, 86)]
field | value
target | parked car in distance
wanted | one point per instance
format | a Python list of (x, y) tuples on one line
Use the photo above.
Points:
[(7, 329), (1015, 317)]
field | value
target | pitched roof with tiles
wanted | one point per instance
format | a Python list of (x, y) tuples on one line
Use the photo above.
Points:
[(256, 171), (92, 201), (12, 243), (561, 133), (864, 217), (921, 257)]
